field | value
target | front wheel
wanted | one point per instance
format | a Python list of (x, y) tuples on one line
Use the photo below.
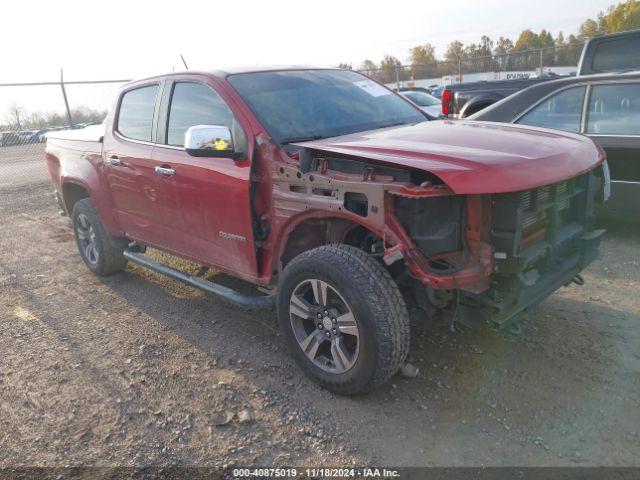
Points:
[(343, 318)]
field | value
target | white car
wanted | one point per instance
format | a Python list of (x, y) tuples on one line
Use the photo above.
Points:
[(427, 103)]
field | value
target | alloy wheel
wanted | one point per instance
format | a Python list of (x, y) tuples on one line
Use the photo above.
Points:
[(324, 326), (87, 239)]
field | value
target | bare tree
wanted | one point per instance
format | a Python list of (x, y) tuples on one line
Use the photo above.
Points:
[(15, 114)]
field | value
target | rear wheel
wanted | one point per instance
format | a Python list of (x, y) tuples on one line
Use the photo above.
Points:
[(102, 254), (343, 317)]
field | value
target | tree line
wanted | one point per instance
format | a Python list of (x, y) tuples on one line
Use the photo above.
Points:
[(528, 52), (17, 118)]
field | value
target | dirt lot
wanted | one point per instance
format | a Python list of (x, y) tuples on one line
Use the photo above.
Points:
[(21, 164), (137, 370)]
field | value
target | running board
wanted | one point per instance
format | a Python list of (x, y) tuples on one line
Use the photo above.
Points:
[(226, 293)]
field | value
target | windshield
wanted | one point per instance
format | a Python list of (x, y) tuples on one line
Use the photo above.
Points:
[(421, 98), (300, 105)]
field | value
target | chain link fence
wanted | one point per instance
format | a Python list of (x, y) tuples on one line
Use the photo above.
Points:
[(560, 60), (31, 110)]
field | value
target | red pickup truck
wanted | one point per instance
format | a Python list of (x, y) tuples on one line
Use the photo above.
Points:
[(338, 199)]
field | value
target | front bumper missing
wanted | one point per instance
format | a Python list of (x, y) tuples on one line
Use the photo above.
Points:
[(529, 288), (543, 239)]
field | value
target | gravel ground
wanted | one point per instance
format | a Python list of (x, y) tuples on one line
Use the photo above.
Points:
[(138, 370)]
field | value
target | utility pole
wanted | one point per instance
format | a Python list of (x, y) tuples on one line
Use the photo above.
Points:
[(66, 102), (541, 61), (395, 64)]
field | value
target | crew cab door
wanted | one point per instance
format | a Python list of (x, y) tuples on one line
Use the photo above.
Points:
[(129, 168), (613, 121), (206, 205)]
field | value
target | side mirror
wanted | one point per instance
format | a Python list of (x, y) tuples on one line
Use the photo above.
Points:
[(210, 141)]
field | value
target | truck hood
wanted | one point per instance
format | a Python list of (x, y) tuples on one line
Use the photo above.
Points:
[(473, 157)]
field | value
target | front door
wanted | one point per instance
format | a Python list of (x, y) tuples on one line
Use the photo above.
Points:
[(206, 203), (130, 169)]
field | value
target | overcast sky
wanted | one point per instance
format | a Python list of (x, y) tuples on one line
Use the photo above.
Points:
[(135, 38)]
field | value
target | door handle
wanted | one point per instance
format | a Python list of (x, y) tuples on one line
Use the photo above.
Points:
[(166, 171), (113, 160)]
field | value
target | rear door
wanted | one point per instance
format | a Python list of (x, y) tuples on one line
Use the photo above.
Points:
[(130, 168), (206, 203), (613, 121)]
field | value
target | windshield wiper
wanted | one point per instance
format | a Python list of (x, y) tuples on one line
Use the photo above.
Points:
[(308, 138)]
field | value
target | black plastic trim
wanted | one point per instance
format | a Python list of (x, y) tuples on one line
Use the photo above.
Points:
[(228, 294)]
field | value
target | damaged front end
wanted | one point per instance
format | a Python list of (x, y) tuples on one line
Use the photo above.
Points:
[(542, 239), (485, 256), (489, 257)]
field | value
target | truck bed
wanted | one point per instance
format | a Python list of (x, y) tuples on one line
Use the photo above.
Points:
[(86, 139)]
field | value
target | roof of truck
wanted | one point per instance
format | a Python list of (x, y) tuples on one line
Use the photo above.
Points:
[(223, 73), (268, 68)]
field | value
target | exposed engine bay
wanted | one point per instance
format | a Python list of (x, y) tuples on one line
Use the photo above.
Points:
[(484, 257)]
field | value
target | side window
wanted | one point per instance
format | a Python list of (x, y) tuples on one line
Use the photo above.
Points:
[(562, 111), (614, 109), (135, 118), (617, 54), (197, 104)]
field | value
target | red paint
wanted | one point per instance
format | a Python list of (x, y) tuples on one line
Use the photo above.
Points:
[(188, 214), (474, 157), (134, 190), (207, 196)]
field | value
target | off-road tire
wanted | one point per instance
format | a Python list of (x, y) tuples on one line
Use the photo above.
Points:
[(377, 305), (110, 258)]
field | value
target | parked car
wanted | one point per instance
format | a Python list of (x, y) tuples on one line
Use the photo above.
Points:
[(437, 92), (32, 136), (605, 108), (464, 99), (41, 135), (21, 137), (427, 103), (10, 138), (605, 53), (336, 196)]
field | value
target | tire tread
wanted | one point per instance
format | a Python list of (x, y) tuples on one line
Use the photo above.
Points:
[(384, 299), (112, 256)]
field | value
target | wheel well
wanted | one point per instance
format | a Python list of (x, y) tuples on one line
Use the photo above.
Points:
[(71, 193), (313, 233)]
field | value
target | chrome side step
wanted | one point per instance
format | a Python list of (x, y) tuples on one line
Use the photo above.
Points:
[(226, 293)]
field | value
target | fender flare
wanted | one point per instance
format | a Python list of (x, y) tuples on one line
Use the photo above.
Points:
[(64, 181), (104, 209)]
